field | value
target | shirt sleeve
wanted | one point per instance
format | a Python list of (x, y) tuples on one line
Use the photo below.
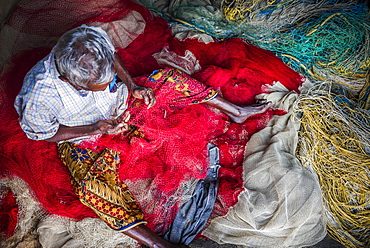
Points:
[(37, 122), (36, 117)]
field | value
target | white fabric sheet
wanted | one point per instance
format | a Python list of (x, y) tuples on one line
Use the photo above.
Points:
[(281, 205)]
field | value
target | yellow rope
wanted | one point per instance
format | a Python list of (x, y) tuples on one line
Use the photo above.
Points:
[(236, 10), (314, 29), (334, 142), (364, 94)]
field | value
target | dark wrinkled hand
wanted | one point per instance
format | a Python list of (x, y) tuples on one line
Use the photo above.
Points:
[(145, 93), (111, 126)]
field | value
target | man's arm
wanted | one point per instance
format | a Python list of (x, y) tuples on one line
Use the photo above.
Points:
[(147, 237), (137, 91), (123, 74), (101, 127)]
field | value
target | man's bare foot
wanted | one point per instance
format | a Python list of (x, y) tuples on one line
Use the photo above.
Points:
[(237, 113), (248, 111)]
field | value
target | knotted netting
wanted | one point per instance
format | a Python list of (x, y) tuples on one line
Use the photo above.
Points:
[(243, 10), (337, 42), (308, 35), (334, 142), (236, 69)]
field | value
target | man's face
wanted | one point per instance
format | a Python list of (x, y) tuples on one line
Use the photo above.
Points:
[(96, 87), (89, 87)]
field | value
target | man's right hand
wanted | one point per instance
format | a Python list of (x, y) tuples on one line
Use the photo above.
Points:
[(111, 126)]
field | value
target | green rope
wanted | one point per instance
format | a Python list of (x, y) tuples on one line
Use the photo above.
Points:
[(320, 38), (337, 42)]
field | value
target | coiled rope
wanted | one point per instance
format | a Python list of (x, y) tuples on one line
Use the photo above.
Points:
[(336, 42), (335, 143)]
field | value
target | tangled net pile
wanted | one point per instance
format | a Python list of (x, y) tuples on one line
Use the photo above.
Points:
[(335, 143), (329, 36), (308, 35), (327, 41), (336, 42), (244, 10)]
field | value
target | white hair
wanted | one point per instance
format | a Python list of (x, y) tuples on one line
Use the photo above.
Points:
[(84, 56)]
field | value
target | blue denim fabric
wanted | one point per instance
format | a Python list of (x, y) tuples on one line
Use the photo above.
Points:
[(194, 214)]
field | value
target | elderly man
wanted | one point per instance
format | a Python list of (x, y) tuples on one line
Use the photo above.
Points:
[(78, 91)]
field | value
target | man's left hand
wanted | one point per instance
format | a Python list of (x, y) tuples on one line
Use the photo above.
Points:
[(145, 93)]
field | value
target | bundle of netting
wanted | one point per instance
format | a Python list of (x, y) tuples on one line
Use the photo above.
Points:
[(198, 16), (244, 10), (337, 42), (307, 35), (252, 19), (363, 95), (356, 88), (334, 46), (280, 15), (335, 143)]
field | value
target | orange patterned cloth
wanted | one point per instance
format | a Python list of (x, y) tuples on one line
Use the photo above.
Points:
[(188, 89), (180, 88), (173, 89), (95, 180)]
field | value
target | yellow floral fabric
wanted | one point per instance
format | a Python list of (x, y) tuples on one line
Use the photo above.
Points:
[(96, 182)]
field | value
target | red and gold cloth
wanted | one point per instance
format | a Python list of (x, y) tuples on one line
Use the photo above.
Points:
[(173, 89), (181, 89), (95, 180)]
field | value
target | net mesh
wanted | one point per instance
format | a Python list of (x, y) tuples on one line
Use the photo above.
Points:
[(236, 69), (307, 35), (334, 141)]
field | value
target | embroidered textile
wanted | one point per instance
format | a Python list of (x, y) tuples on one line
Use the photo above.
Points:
[(173, 88), (96, 182)]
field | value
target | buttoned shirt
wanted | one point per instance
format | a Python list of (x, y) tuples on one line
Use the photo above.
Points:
[(45, 102)]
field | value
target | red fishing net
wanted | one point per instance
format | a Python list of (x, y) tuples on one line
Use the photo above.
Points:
[(157, 169), (8, 212)]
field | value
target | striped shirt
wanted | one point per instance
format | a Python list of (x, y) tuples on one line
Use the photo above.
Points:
[(45, 102)]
